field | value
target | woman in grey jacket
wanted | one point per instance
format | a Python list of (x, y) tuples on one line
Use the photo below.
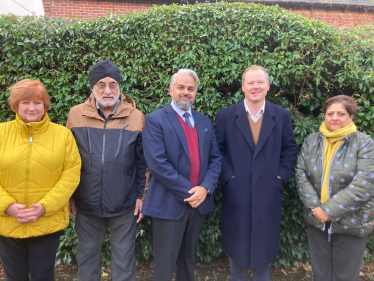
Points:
[(335, 180)]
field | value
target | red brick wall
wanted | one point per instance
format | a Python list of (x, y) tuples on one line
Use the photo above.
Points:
[(92, 9), (338, 17)]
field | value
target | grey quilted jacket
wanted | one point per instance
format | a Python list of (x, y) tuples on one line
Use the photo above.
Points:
[(351, 183)]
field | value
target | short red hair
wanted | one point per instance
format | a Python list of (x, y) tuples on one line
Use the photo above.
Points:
[(28, 89)]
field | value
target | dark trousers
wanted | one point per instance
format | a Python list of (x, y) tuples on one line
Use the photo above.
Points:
[(338, 260), (35, 256), (240, 273), (175, 242)]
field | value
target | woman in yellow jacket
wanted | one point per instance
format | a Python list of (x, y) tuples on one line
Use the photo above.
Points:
[(39, 171)]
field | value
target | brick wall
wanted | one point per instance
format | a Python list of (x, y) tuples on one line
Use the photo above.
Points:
[(93, 9), (338, 17)]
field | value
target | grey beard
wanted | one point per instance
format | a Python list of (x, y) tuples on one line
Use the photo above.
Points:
[(182, 105), (105, 104)]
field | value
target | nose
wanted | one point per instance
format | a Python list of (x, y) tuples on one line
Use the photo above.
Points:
[(107, 90), (335, 116)]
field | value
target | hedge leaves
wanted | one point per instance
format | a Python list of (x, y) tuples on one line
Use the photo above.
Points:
[(307, 62)]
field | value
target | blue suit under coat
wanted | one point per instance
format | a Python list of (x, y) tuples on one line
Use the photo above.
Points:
[(252, 200), (167, 155)]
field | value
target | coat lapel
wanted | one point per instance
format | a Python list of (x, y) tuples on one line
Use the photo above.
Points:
[(173, 118), (266, 127), (200, 132), (243, 124)]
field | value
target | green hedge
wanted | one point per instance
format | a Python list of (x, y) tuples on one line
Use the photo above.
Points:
[(307, 62)]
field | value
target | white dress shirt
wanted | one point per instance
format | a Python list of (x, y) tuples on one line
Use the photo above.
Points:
[(259, 113)]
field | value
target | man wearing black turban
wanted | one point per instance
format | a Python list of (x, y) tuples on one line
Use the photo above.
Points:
[(108, 130)]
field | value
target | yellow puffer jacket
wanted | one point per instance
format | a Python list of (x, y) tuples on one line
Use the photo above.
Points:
[(39, 163)]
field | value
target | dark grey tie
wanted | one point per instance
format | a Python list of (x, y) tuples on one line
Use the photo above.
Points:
[(187, 116)]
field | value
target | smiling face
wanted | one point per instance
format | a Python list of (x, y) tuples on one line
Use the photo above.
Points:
[(337, 117), (31, 110), (183, 92), (106, 92), (255, 86)]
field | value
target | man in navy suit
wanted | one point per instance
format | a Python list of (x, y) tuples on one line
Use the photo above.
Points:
[(182, 154), (258, 151)]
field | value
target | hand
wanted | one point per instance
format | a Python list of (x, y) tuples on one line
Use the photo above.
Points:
[(72, 208), (32, 214), (138, 208), (320, 215), (14, 209), (198, 196)]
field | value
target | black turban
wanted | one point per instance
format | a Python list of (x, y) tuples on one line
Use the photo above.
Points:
[(103, 69)]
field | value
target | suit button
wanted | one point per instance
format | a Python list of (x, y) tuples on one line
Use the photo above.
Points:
[(188, 164)]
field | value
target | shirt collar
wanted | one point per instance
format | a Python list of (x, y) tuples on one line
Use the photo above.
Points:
[(180, 111), (262, 109), (113, 111)]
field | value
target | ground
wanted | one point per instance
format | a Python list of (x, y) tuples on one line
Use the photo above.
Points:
[(216, 271)]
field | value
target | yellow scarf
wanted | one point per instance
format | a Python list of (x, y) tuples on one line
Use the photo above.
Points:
[(332, 142)]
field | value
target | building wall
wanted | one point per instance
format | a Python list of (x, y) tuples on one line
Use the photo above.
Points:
[(337, 17), (93, 9)]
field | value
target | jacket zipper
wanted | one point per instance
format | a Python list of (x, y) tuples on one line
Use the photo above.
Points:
[(102, 171), (89, 145), (119, 141), (119, 144), (27, 183)]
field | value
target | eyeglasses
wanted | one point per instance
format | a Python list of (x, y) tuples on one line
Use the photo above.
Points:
[(113, 86)]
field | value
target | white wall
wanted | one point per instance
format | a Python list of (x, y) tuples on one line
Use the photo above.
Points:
[(10, 7)]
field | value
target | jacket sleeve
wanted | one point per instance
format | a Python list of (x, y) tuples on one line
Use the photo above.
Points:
[(227, 171), (158, 163), (59, 195), (5, 201), (288, 150), (304, 187), (141, 167), (360, 190), (214, 166)]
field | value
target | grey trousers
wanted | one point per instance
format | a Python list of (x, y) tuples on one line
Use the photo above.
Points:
[(240, 273), (175, 242), (338, 260), (91, 231)]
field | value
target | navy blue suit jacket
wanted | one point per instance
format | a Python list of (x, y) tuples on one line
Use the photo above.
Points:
[(166, 152), (252, 192)]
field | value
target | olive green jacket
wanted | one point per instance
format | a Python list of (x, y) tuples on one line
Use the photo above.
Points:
[(351, 183)]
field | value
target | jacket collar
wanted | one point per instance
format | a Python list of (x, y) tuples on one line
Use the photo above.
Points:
[(32, 129)]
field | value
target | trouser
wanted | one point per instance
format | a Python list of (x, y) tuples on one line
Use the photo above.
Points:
[(91, 231), (240, 273), (338, 260), (35, 256), (175, 242)]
